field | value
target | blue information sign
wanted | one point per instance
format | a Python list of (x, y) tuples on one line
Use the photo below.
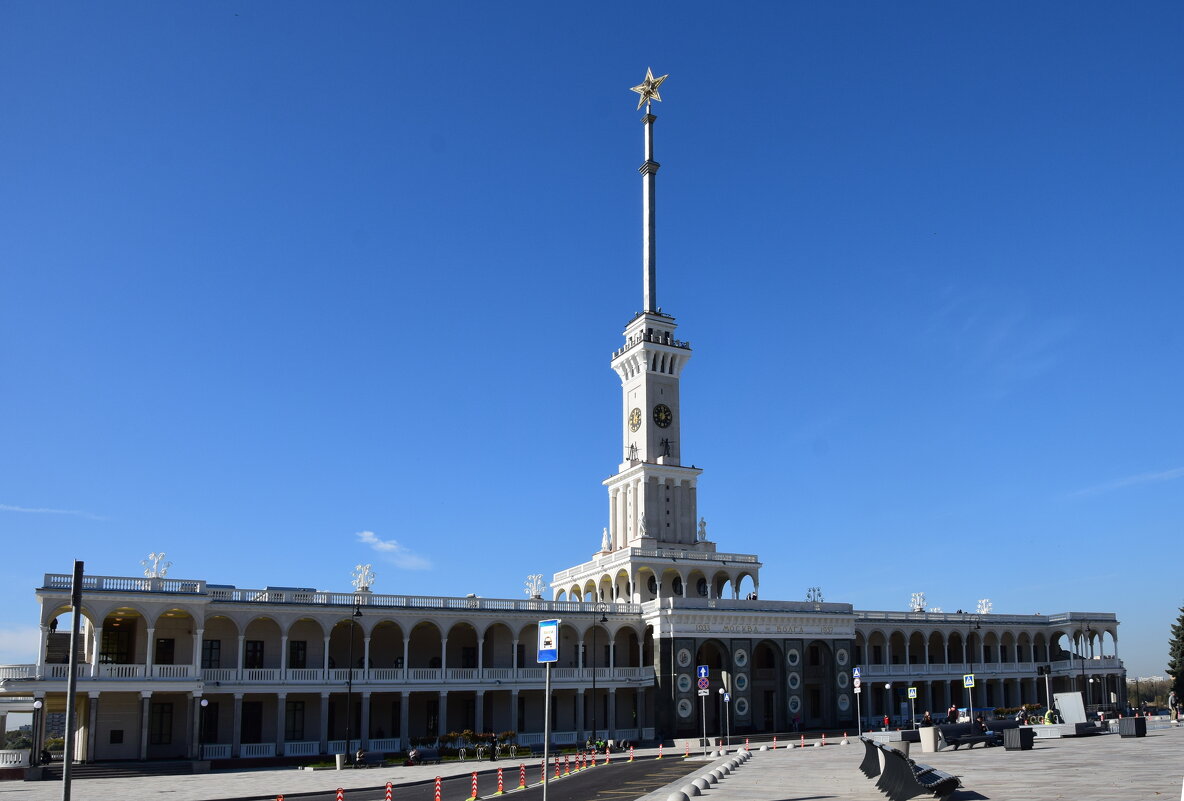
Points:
[(548, 641), (703, 671)]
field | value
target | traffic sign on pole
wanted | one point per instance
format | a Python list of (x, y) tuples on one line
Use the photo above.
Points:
[(912, 692), (704, 692), (855, 672), (704, 684), (856, 681), (968, 681), (702, 671)]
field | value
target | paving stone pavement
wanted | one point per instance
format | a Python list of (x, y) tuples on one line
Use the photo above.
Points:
[(1103, 768)]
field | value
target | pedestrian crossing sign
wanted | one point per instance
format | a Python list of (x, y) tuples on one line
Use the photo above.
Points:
[(968, 681)]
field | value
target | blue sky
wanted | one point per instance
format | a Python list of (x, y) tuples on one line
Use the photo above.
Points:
[(274, 274)]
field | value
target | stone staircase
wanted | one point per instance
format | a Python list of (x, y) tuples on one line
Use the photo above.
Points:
[(118, 770)]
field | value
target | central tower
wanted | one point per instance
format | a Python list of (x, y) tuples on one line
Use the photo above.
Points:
[(652, 497)]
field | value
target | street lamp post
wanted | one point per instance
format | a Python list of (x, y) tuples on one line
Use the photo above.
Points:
[(201, 726), (970, 655), (349, 686), (602, 608), (727, 713), (1081, 649)]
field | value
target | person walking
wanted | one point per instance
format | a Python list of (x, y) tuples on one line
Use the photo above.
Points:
[(952, 714)]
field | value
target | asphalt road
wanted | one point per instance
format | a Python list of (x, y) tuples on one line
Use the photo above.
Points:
[(618, 781)]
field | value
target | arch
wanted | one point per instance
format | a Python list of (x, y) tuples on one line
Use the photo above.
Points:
[(697, 584), (498, 648), (627, 648), (746, 586), (720, 584), (955, 648), (424, 649), (622, 587), (990, 653), (561, 595), (767, 689), (306, 644), (818, 692), (937, 648), (896, 642), (219, 648), (672, 583), (124, 638), (647, 584), (386, 644), (575, 593), (462, 646), (261, 643), (172, 637), (877, 648), (916, 648)]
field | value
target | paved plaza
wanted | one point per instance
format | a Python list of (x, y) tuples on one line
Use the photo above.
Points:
[(1100, 768)]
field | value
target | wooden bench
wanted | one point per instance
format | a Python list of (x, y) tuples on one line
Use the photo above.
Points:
[(903, 778)]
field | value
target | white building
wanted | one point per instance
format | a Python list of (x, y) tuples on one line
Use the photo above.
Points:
[(181, 668)]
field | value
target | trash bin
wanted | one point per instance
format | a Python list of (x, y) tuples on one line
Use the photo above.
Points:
[(340, 761), (1018, 739), (928, 739), (1132, 727)]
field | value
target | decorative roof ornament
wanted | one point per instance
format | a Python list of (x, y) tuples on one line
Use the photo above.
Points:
[(648, 89), (155, 566), (534, 586), (814, 595), (984, 606), (363, 578), (917, 603)]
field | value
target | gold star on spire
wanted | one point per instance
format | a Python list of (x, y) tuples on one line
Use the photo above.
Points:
[(648, 89)]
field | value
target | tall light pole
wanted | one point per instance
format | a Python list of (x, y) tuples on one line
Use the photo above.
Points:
[(970, 655), (727, 713), (602, 608), (349, 686)]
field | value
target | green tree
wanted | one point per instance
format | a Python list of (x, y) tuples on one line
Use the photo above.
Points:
[(1176, 655)]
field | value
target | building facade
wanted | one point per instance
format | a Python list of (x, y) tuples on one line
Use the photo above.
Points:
[(177, 668)]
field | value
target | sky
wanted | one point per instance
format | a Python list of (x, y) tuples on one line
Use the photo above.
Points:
[(288, 287)]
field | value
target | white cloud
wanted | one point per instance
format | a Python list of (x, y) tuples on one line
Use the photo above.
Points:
[(393, 552), (18, 645), (1131, 481), (41, 511)]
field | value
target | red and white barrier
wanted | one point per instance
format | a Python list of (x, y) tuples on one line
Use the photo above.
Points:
[(522, 776), (389, 790), (501, 788), (474, 793), (630, 753), (438, 782), (340, 794), (659, 750)]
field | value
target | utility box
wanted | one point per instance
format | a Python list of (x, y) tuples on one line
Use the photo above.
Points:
[(1132, 727)]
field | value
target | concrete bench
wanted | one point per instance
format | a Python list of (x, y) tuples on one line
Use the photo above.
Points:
[(903, 778)]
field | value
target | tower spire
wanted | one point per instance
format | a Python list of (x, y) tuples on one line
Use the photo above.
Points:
[(648, 92)]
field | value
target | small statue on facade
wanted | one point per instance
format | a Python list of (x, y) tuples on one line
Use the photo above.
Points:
[(363, 578), (641, 527), (604, 541), (702, 535), (155, 566), (534, 586)]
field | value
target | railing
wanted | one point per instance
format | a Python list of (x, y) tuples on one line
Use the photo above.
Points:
[(627, 734), (505, 674), (18, 672), (344, 674), (424, 674), (261, 674), (63, 671), (647, 734), (171, 671), (14, 759), (219, 674), (121, 671), (312, 598), (302, 748), (247, 750), (338, 746), (385, 745), (62, 581), (989, 668), (386, 674), (211, 751), (306, 674), (461, 674)]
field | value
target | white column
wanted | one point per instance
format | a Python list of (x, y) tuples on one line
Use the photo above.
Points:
[(324, 722), (242, 638), (406, 655), (41, 646), (611, 723), (236, 735), (444, 658), (194, 728), (283, 656), (94, 656), (581, 715), (326, 659), (281, 721), (514, 652), (149, 652), (404, 718), (479, 712), (92, 726), (480, 657), (442, 720), (145, 702), (364, 734), (365, 656), (197, 638)]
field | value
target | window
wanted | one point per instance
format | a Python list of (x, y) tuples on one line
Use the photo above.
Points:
[(160, 724), (294, 721), (252, 722), (116, 648), (164, 651), (211, 654), (253, 655), (298, 654)]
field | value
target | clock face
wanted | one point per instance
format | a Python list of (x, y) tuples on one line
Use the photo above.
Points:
[(635, 419), (662, 415)]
